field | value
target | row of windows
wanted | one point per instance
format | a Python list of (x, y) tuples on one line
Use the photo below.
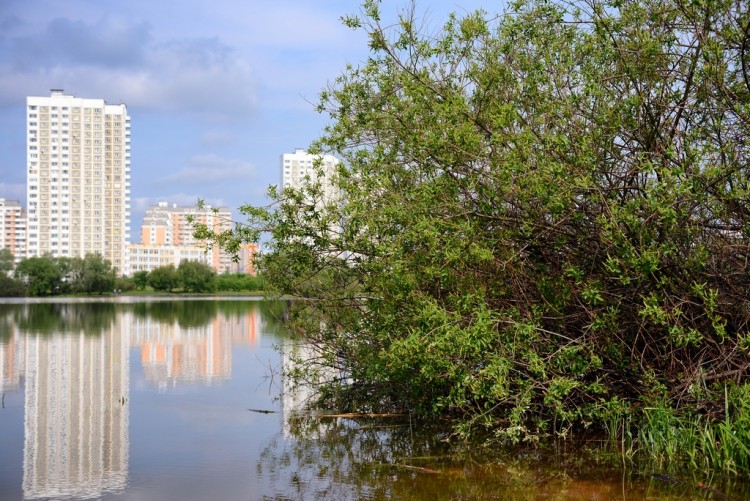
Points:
[(75, 109)]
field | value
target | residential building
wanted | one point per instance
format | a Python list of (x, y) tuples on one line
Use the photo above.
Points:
[(167, 238), (78, 178), (13, 228), (245, 259), (298, 168), (148, 257)]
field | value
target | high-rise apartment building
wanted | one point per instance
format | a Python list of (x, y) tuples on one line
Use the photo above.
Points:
[(78, 178), (298, 168), (13, 228)]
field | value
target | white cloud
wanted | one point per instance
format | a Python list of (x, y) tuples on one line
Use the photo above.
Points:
[(120, 61)]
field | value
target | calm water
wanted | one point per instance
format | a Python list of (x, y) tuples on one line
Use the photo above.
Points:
[(137, 399)]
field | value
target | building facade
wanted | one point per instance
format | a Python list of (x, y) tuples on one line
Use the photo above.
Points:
[(78, 178), (167, 238), (298, 169), (148, 257), (13, 228)]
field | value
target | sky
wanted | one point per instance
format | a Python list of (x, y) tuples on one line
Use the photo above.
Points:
[(217, 90)]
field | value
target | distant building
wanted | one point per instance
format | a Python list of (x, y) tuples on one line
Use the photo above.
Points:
[(146, 257), (167, 238), (297, 169), (300, 168), (13, 228), (245, 259), (78, 177)]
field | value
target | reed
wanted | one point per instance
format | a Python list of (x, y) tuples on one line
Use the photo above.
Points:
[(698, 440)]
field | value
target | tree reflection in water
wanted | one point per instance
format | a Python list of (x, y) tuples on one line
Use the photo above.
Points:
[(341, 458), (382, 459), (64, 318)]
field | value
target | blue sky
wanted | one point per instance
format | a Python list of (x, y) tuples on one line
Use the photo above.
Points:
[(217, 90)]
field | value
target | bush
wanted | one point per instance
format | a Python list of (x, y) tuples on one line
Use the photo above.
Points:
[(238, 282), (10, 287), (163, 278), (543, 220), (196, 277)]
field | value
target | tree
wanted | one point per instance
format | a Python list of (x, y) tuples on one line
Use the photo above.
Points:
[(543, 221), (194, 276), (6, 260), (41, 275), (10, 287), (163, 278), (71, 269), (140, 278), (97, 274)]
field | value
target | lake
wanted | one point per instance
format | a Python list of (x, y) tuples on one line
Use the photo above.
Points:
[(181, 399)]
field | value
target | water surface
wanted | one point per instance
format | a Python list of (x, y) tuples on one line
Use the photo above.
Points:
[(159, 399)]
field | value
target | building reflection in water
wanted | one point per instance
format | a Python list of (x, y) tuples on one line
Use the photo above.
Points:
[(76, 414), (12, 359), (171, 353), (298, 394), (77, 387)]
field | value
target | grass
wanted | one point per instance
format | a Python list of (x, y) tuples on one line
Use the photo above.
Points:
[(697, 440)]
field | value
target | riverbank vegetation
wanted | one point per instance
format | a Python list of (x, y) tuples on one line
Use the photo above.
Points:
[(54, 276), (543, 227)]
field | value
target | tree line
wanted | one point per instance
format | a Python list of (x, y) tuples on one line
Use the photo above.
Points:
[(47, 276)]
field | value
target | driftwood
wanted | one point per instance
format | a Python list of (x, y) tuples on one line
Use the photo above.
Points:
[(356, 415), (419, 469)]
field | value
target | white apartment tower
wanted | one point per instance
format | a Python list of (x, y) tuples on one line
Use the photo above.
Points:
[(78, 177), (297, 169)]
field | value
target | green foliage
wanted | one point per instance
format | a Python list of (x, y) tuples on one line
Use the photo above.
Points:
[(140, 279), (125, 284), (42, 275), (194, 276), (10, 287), (94, 274), (163, 278), (718, 440), (238, 282), (47, 275), (543, 219), (6, 261)]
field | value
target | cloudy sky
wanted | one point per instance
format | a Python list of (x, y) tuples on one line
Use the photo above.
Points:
[(216, 90)]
